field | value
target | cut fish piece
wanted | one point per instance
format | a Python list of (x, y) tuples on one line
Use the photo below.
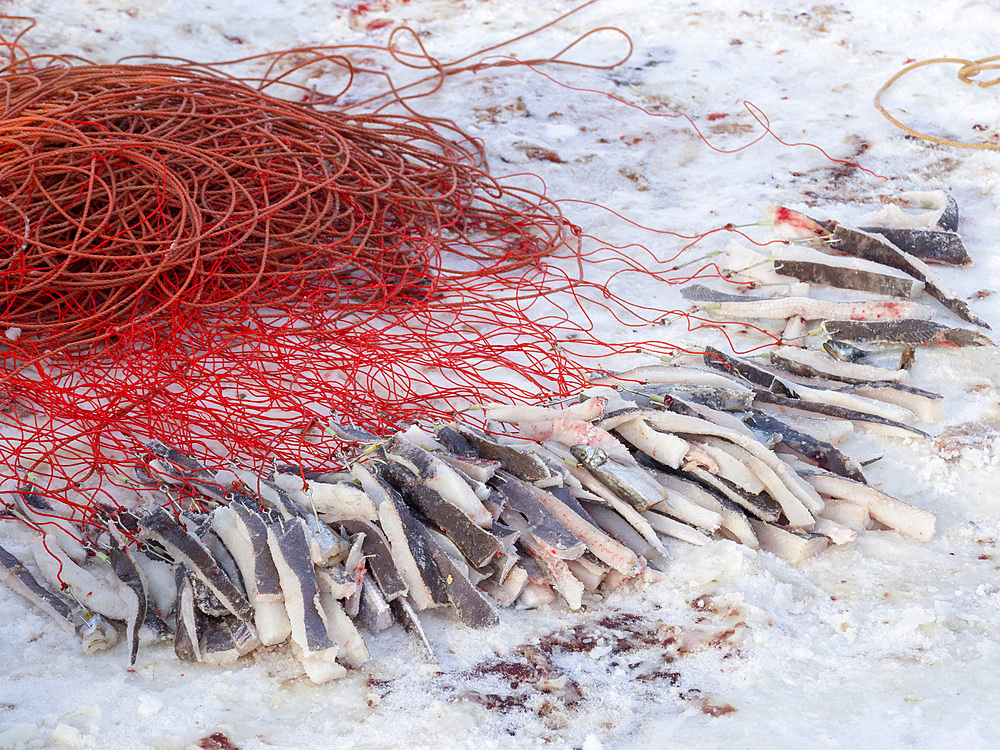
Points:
[(378, 558), (244, 533), (290, 552), (794, 547), (913, 522), (184, 546), (439, 477)]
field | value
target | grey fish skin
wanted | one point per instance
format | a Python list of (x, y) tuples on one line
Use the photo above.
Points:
[(265, 573), (726, 492), (291, 546), (374, 610), (748, 371), (927, 244), (418, 541), (471, 604), (780, 362), (520, 496), (826, 455), (630, 483), (847, 278), (872, 247), (905, 332), (183, 546), (762, 506), (839, 412), (378, 558), (477, 544), (226, 639), (186, 642), (127, 571), (522, 464), (714, 397), (352, 434), (20, 580), (702, 293), (456, 442)]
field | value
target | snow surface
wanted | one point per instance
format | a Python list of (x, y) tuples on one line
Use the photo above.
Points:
[(881, 643)]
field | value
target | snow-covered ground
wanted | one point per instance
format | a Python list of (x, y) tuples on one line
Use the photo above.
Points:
[(882, 643)]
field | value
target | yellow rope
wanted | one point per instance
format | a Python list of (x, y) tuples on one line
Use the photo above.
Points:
[(969, 69)]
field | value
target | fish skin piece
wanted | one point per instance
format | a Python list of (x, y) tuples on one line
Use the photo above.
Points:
[(813, 363), (652, 375), (417, 544), (524, 498), (756, 505), (405, 614), (849, 278), (905, 332), (290, 551), (809, 308), (629, 482), (748, 371), (477, 544), (378, 558), (838, 412), (473, 607), (186, 642), (440, 477), (20, 580), (374, 610), (733, 397), (161, 527), (932, 246), (351, 434), (455, 442), (873, 247), (402, 556), (226, 639), (39, 511), (521, 463), (824, 454), (129, 573)]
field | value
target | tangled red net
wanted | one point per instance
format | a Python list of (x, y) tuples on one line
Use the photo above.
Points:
[(190, 258)]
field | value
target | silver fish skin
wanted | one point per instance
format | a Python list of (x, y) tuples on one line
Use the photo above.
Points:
[(630, 483)]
